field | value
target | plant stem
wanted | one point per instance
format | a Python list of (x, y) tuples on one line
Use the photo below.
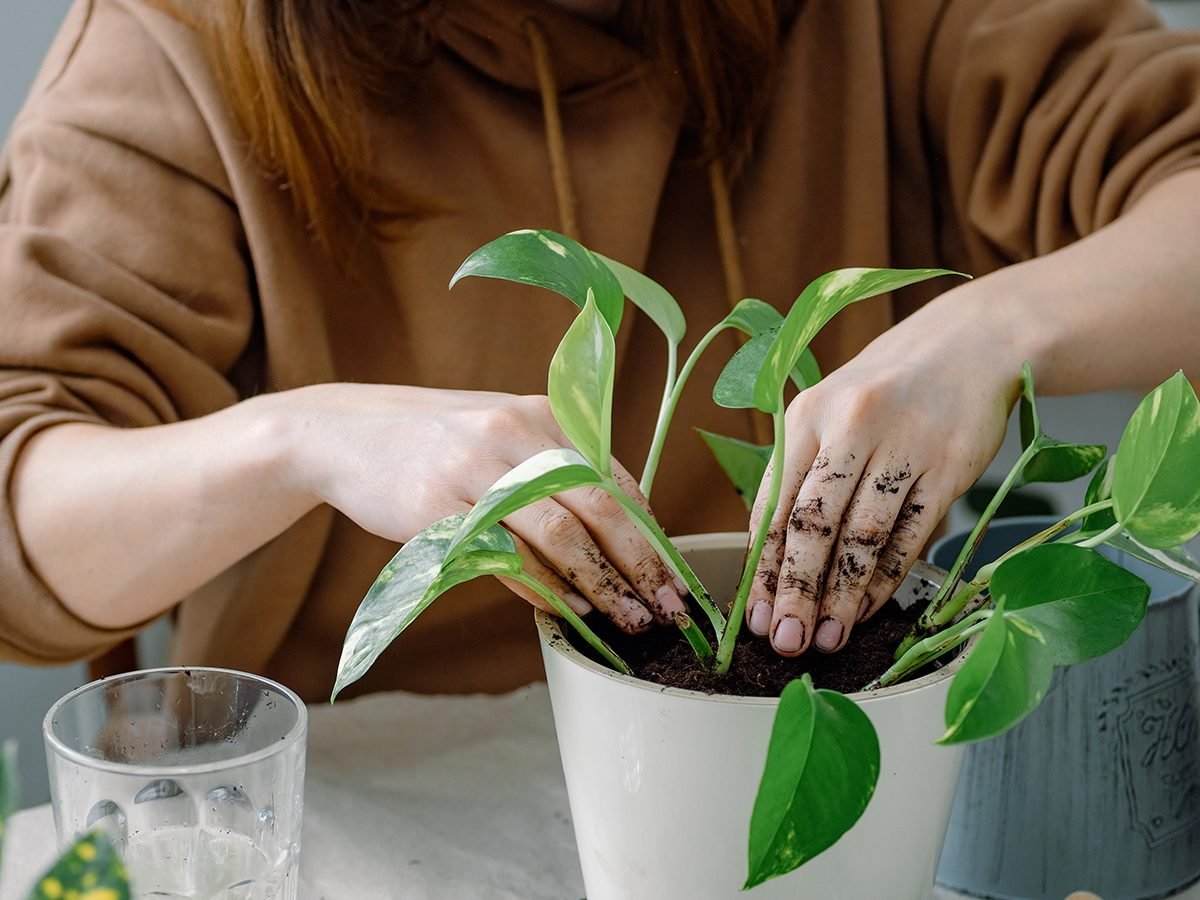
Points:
[(984, 575), (663, 547), (968, 592), (1097, 540), (935, 613), (665, 412), (695, 637), (670, 401), (575, 621), (737, 612), (929, 649)]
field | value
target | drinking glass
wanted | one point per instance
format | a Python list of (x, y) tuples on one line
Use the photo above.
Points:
[(196, 775)]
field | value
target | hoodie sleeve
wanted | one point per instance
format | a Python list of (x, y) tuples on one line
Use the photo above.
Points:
[(124, 290), (1050, 117)]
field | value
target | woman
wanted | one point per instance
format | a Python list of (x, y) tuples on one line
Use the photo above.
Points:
[(228, 227)]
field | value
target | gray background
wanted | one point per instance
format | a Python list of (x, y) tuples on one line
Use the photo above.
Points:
[(26, 28)]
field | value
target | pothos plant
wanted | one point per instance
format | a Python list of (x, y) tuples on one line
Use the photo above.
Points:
[(89, 870), (1050, 601)]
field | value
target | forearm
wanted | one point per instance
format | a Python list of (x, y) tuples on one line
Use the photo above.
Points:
[(1117, 309), (123, 523)]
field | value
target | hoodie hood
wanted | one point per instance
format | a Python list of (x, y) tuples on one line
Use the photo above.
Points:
[(490, 36)]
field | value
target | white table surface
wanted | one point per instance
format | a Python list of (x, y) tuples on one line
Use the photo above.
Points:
[(415, 797)]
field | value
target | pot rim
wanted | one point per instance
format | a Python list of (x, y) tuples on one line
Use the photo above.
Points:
[(551, 634)]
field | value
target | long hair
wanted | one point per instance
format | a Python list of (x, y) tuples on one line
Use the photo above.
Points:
[(298, 73)]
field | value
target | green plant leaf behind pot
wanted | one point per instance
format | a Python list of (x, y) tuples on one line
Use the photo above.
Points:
[(822, 766), (1054, 460), (9, 787), (734, 388), (824, 298), (1082, 604), (90, 870), (744, 463), (1004, 678), (1156, 476), (549, 260), (549, 472), (416, 576), (580, 386), (650, 297), (752, 317)]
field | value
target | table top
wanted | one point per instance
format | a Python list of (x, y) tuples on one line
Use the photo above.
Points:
[(415, 797)]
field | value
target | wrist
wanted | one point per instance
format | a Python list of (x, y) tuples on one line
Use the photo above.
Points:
[(990, 331), (279, 442)]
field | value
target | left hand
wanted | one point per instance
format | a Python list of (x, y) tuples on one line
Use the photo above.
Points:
[(875, 454)]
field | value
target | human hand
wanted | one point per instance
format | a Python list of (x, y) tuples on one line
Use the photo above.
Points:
[(395, 459), (875, 455)]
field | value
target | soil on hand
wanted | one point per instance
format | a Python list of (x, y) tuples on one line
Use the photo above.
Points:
[(662, 656)]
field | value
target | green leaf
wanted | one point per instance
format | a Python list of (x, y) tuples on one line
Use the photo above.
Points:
[(1055, 460), (1082, 604), (744, 463), (817, 304), (650, 297), (821, 769), (580, 386), (90, 870), (1156, 476), (549, 472), (549, 260), (1176, 560), (1004, 678), (806, 372), (735, 385), (752, 317), (1099, 488), (415, 577), (10, 787)]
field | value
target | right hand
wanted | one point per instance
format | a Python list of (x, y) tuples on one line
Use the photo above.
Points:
[(396, 459)]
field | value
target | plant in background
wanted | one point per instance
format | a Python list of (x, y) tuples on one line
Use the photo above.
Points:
[(1042, 604), (89, 870)]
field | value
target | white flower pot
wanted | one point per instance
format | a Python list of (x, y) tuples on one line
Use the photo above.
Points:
[(662, 781)]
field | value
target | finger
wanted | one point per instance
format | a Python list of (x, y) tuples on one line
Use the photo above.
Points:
[(559, 538), (922, 509), (811, 532), (760, 603), (864, 533), (625, 547), (536, 568)]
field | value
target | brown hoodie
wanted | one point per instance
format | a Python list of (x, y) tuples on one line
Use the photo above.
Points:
[(149, 273)]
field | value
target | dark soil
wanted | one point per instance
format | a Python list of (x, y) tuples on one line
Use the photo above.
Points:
[(663, 657)]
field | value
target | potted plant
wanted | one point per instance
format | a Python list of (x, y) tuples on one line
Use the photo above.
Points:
[(666, 784)]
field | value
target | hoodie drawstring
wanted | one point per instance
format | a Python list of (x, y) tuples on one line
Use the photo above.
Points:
[(556, 145), (564, 191)]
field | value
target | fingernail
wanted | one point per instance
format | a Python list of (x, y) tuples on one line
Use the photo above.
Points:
[(789, 635), (578, 604), (669, 601), (760, 618), (829, 634), (680, 586)]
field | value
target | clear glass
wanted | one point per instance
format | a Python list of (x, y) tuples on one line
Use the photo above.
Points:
[(196, 774)]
